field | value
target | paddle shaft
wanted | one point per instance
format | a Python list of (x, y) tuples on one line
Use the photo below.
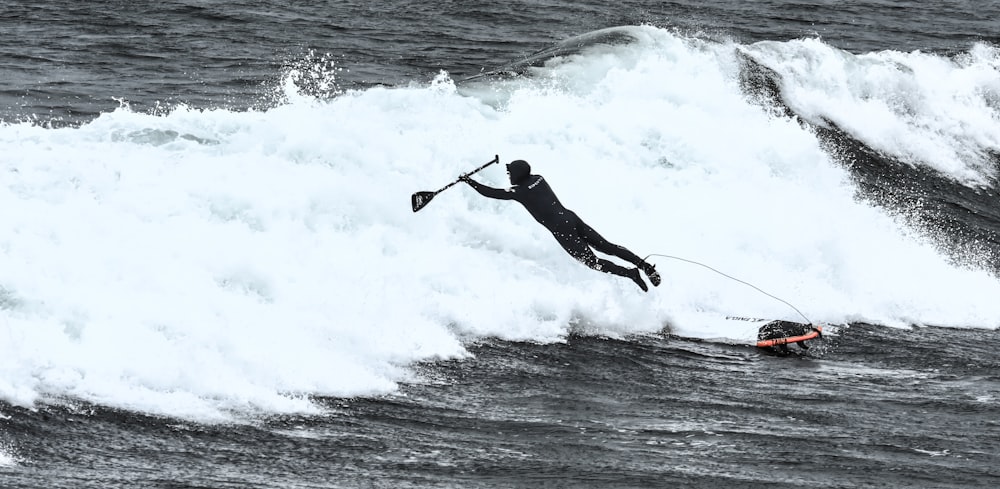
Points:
[(496, 159), (421, 199)]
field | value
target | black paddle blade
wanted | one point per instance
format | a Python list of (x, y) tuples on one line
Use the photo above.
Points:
[(420, 199)]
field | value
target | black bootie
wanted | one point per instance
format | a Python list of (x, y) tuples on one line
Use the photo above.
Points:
[(651, 272), (637, 278)]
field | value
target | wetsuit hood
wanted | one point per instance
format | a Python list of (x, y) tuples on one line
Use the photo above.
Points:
[(518, 170)]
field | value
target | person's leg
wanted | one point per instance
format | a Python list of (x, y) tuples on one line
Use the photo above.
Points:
[(593, 238), (577, 248), (599, 243)]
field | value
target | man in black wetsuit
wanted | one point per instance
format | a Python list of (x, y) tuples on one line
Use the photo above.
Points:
[(575, 236)]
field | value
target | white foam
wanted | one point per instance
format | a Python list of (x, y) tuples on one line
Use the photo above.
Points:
[(919, 107), (8, 457), (205, 263)]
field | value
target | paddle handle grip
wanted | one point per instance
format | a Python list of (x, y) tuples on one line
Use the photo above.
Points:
[(496, 159)]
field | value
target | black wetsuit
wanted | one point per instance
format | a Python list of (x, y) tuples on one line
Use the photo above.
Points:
[(575, 236)]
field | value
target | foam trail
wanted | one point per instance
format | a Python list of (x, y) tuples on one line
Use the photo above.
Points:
[(213, 264), (7, 460)]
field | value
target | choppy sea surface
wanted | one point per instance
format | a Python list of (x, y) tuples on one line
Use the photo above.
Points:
[(211, 276)]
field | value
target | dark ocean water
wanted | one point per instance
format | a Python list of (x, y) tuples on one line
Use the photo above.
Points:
[(868, 406), (69, 61), (880, 407)]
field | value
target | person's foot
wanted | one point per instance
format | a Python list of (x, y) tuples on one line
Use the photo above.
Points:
[(651, 272), (637, 278)]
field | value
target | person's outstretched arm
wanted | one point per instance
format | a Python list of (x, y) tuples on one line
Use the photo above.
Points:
[(487, 191)]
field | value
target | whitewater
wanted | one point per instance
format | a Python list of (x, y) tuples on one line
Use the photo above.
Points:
[(217, 264)]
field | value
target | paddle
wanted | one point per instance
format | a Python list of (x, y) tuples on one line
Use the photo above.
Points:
[(420, 199)]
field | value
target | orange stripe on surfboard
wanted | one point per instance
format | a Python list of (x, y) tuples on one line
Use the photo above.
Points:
[(815, 332)]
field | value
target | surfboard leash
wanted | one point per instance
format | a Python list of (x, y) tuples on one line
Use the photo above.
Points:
[(758, 289)]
